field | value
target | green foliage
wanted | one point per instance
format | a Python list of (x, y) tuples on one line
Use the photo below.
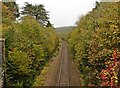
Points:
[(18, 64), (29, 46), (10, 12), (37, 11), (93, 40)]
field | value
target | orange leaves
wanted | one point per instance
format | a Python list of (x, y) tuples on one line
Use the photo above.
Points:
[(103, 77), (4, 7), (118, 54), (94, 43), (109, 74), (114, 55)]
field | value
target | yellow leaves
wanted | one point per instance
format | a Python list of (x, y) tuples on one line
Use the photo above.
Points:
[(113, 26), (118, 54), (4, 7), (7, 14), (39, 80), (95, 33), (43, 72)]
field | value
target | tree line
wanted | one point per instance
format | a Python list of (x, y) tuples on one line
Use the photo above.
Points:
[(30, 43), (95, 45)]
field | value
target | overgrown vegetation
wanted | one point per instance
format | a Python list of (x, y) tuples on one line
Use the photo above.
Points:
[(28, 46), (95, 45), (32, 41)]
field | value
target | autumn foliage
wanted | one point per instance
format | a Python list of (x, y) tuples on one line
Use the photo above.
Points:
[(28, 47), (95, 45)]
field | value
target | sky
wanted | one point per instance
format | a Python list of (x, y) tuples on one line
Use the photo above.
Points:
[(63, 12)]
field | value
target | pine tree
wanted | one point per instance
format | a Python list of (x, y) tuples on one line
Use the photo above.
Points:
[(38, 12)]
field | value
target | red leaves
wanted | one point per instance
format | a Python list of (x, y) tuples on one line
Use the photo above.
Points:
[(103, 76), (114, 55), (112, 83), (109, 75), (104, 84)]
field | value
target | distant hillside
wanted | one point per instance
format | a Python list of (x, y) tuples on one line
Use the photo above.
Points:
[(64, 31)]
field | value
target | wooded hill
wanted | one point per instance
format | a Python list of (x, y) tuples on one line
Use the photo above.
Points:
[(64, 31)]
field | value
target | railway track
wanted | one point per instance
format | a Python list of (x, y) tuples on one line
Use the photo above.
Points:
[(63, 76), (63, 71)]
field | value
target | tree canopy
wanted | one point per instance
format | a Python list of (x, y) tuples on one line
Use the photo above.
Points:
[(95, 45), (38, 12)]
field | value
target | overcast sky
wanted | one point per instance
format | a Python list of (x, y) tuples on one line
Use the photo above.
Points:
[(63, 12)]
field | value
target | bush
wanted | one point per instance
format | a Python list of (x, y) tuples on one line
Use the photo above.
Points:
[(93, 43), (28, 47)]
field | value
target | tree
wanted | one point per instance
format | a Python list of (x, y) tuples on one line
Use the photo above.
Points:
[(37, 11), (10, 12), (13, 7), (49, 24)]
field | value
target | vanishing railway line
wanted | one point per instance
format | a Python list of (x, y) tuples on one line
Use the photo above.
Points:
[(63, 77), (63, 71)]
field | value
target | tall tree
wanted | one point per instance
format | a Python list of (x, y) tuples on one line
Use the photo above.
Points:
[(37, 11), (13, 10), (10, 12)]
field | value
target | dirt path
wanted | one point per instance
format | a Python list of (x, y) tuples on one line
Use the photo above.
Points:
[(63, 71)]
